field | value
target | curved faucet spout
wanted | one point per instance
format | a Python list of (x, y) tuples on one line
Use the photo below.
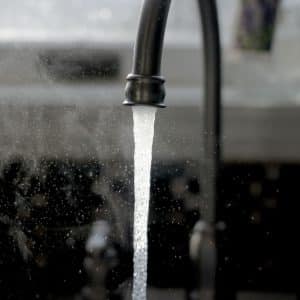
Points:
[(145, 86)]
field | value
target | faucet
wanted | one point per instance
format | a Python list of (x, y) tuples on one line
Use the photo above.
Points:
[(145, 85)]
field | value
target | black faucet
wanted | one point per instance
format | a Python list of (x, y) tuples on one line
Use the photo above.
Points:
[(145, 85)]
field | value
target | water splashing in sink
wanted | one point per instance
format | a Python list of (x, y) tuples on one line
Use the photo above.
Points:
[(143, 119)]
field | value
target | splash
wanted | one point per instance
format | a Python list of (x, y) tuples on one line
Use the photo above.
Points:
[(143, 120)]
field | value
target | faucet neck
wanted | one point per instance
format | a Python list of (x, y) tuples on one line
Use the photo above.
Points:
[(150, 38)]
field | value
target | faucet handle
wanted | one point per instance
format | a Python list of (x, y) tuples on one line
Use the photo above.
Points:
[(203, 255), (101, 259)]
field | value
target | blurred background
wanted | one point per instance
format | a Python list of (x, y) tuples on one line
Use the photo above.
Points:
[(66, 150)]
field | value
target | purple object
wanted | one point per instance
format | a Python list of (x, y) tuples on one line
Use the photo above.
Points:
[(256, 25)]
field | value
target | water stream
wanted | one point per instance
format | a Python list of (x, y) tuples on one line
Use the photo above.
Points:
[(143, 120)]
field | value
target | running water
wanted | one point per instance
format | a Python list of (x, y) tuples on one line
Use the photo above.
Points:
[(143, 122)]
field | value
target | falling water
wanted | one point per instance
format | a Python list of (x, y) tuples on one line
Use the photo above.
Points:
[(143, 120)]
